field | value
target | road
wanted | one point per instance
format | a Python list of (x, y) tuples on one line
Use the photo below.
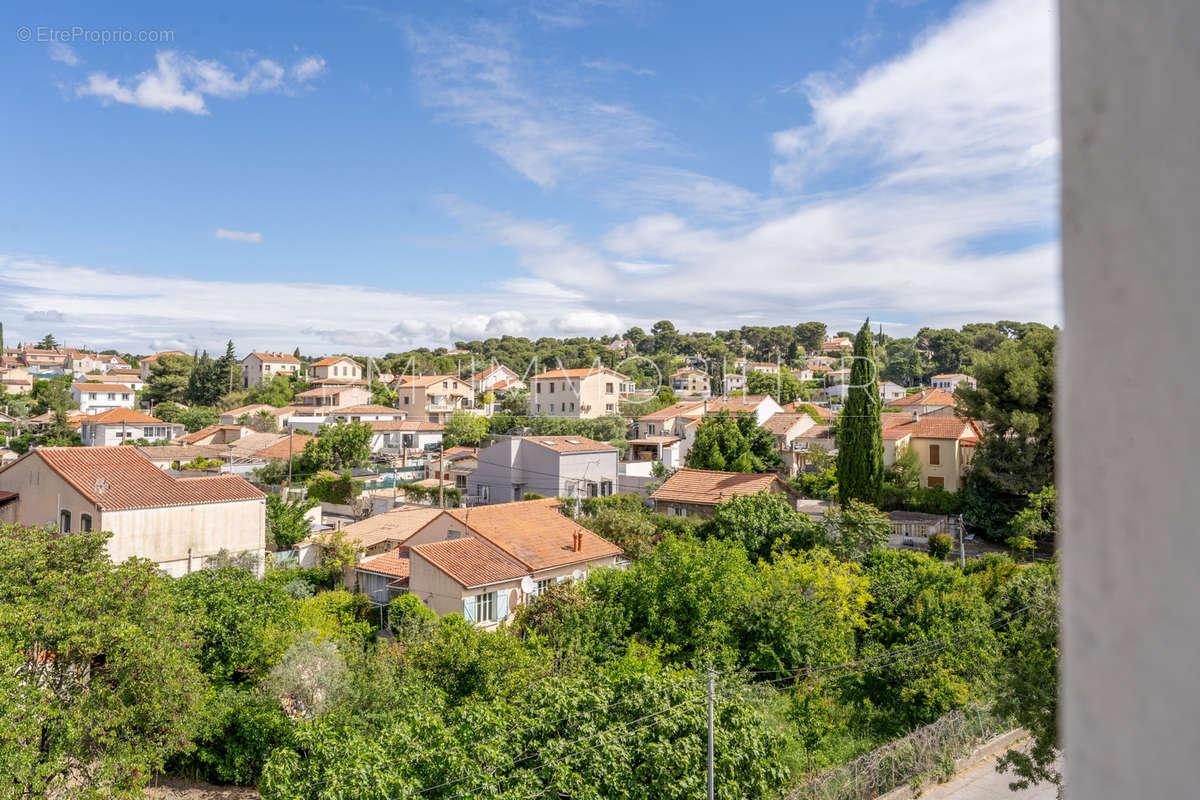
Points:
[(982, 782)]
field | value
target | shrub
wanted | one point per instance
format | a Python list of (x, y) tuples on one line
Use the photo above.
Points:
[(940, 545), (329, 488), (238, 729)]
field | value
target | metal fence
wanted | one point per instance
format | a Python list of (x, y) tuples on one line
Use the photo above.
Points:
[(926, 752)]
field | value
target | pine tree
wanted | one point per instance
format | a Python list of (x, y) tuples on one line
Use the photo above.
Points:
[(228, 371), (859, 435)]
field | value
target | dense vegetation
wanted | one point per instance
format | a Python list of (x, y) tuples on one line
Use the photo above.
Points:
[(823, 646)]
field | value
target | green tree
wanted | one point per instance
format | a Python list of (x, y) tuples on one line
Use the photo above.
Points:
[(733, 444), (855, 529), (47, 342), (97, 684), (859, 433), (50, 394), (515, 403), (198, 417), (382, 395), (464, 428), (810, 336), (227, 372), (1027, 677), (1014, 399), (206, 384), (1036, 523), (169, 377), (341, 445), (278, 392), (286, 523), (243, 624), (168, 411), (764, 524), (666, 338), (784, 387)]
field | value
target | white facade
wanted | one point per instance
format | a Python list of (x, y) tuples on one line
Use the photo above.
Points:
[(105, 434), (94, 398)]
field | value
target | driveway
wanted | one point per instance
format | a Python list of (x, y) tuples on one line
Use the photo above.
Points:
[(982, 782)]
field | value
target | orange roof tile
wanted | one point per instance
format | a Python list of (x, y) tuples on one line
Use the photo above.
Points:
[(397, 525), (369, 408), (581, 372), (273, 358), (781, 423), (380, 425), (425, 380), (281, 449), (709, 487), (394, 563), (469, 562), (118, 416), (101, 387), (925, 397), (533, 533), (120, 478), (330, 361)]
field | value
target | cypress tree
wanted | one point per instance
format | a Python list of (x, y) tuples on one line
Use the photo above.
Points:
[(859, 433)]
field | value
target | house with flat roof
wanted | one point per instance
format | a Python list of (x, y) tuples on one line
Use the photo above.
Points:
[(177, 523), (120, 425), (551, 466)]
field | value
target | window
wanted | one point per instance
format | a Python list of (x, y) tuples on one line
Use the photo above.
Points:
[(485, 607), (593, 490), (935, 454), (937, 481), (542, 586), (85, 522), (572, 406), (64, 521), (113, 395), (405, 402), (608, 407), (650, 427), (606, 488), (608, 388), (551, 387)]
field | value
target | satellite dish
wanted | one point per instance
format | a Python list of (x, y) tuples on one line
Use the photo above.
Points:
[(578, 574), (527, 585)]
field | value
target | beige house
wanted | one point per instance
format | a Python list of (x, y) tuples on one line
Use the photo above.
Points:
[(579, 393), (485, 562), (433, 398), (16, 381), (951, 380), (691, 381), (146, 363), (261, 367), (175, 522), (337, 368), (924, 401), (944, 446), (331, 398), (696, 492)]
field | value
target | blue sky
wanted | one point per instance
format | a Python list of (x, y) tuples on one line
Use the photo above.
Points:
[(369, 178)]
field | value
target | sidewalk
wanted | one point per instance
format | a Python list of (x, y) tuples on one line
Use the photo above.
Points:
[(982, 782)]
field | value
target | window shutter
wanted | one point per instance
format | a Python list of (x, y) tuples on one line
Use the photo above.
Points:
[(502, 605), (469, 608)]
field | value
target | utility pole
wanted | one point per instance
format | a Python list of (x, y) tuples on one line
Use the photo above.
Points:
[(441, 469), (710, 735), (291, 431), (962, 547)]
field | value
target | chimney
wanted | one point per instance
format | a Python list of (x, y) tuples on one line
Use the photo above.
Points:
[(577, 544)]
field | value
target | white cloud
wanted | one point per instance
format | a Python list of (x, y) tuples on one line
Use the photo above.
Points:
[(237, 236), (181, 82), (607, 65), (45, 316), (586, 322), (63, 53)]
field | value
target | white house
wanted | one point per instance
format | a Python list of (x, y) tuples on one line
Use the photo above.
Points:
[(94, 398), (950, 381), (121, 425)]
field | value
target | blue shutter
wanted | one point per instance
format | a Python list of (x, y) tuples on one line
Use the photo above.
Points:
[(501, 605), (469, 608)]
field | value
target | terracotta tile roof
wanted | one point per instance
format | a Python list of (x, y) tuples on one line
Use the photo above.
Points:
[(203, 433), (329, 362), (410, 425), (890, 419), (569, 444), (182, 452), (157, 356), (780, 423), (896, 434), (734, 405), (111, 378), (338, 382), (500, 386), (425, 380), (369, 408), (279, 449), (582, 372), (925, 397), (393, 563), (327, 391), (397, 525), (950, 375), (655, 440), (817, 432), (101, 387), (120, 478), (672, 411), (479, 376), (533, 533), (708, 487), (940, 428), (118, 416), (274, 358), (469, 562)]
